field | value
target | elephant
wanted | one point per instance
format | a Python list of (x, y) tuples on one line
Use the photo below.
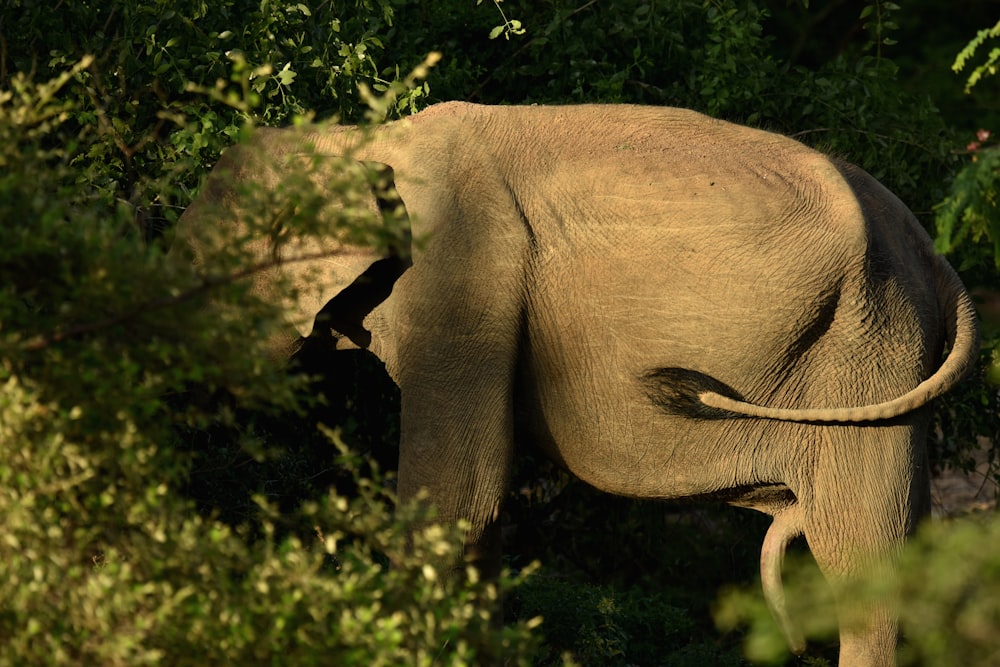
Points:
[(667, 305)]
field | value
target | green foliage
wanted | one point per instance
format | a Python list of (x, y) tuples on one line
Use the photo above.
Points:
[(973, 407), (810, 605), (966, 54), (878, 24), (950, 611), (508, 27), (661, 561), (168, 587), (603, 626), (968, 218), (108, 348), (945, 592), (970, 215), (267, 62), (968, 225)]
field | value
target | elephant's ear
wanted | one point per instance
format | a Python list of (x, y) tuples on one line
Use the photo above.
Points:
[(346, 311)]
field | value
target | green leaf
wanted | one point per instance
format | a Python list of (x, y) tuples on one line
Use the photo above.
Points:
[(286, 76)]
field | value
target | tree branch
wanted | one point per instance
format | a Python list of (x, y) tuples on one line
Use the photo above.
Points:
[(44, 341)]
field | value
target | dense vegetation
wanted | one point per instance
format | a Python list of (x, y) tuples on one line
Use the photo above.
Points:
[(167, 495)]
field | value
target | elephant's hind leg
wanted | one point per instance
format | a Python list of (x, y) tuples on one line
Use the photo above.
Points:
[(869, 494)]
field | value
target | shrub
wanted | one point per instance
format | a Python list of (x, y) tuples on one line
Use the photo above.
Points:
[(107, 348), (599, 625), (945, 591)]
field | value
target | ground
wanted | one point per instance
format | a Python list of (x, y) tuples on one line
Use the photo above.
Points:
[(954, 492)]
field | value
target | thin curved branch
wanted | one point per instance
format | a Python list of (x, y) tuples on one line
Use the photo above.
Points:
[(44, 341)]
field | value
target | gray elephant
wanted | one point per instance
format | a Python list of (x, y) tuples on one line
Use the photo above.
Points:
[(666, 304)]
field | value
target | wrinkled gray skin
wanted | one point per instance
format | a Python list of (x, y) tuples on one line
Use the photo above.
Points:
[(668, 305)]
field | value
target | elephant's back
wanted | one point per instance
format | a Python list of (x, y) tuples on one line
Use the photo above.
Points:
[(718, 249), (684, 234)]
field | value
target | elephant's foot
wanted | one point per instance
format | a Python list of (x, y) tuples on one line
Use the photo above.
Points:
[(874, 646)]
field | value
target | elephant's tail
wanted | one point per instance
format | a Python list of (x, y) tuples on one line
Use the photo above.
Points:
[(787, 525), (698, 395)]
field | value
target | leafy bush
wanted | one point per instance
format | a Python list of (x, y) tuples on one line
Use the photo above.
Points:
[(968, 229), (172, 82), (969, 218), (945, 592), (599, 625), (970, 215), (965, 56), (132, 576), (107, 350)]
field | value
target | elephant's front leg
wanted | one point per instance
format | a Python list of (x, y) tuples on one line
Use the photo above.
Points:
[(457, 358), (455, 446)]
